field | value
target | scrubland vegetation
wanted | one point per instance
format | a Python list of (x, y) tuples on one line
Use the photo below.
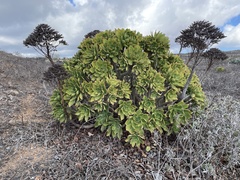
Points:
[(126, 108)]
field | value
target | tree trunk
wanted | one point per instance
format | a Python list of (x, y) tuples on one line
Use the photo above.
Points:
[(48, 55), (50, 59)]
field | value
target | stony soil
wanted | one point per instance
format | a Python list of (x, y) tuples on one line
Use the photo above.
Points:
[(34, 146)]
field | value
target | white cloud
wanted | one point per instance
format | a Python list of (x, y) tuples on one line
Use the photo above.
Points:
[(145, 16), (232, 41), (80, 2), (8, 40), (170, 17)]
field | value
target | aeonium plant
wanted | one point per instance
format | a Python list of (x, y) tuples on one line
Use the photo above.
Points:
[(128, 84)]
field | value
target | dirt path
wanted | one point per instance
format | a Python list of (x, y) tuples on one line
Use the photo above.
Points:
[(23, 105)]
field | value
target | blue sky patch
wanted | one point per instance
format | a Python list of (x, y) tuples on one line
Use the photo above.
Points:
[(234, 21), (71, 1)]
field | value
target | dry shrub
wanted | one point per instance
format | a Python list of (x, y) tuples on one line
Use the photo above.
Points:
[(209, 147)]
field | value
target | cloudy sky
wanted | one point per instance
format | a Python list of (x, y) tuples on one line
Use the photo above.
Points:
[(75, 18)]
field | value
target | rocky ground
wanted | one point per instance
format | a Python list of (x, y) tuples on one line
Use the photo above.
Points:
[(34, 146)]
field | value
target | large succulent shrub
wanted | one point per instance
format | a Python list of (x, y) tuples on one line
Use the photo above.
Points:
[(127, 84)]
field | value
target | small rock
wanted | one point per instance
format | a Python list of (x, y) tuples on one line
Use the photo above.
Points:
[(79, 166), (13, 92), (38, 178), (137, 172), (136, 153)]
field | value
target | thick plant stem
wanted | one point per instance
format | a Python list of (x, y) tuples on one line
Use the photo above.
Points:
[(48, 55), (183, 94), (184, 91), (50, 59)]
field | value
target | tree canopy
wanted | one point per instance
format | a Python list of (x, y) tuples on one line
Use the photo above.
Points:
[(92, 34), (214, 54), (45, 40), (199, 36)]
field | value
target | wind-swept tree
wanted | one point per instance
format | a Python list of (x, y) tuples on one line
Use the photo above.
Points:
[(199, 37), (45, 40), (212, 55)]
